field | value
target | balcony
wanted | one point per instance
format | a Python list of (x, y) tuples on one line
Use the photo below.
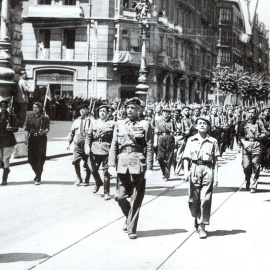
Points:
[(129, 13), (179, 65), (43, 54), (179, 29), (131, 57), (68, 54), (206, 73), (163, 20), (164, 60), (55, 11)]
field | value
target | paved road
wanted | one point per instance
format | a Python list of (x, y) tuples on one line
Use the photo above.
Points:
[(60, 226)]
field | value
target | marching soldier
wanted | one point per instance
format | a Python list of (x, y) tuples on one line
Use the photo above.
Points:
[(98, 142), (266, 143), (37, 127), (251, 133), (77, 134), (8, 125), (200, 168), (164, 130), (131, 153), (216, 125)]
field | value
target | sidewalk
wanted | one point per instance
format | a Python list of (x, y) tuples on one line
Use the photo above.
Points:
[(57, 142)]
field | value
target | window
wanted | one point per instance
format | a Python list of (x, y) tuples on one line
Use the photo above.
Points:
[(226, 57), (45, 37), (225, 14), (69, 38), (70, 2), (44, 2), (134, 41)]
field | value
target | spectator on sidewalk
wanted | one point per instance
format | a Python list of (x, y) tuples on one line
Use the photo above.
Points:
[(21, 99), (37, 127), (8, 125), (200, 168)]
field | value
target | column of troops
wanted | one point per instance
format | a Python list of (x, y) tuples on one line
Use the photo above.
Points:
[(125, 140)]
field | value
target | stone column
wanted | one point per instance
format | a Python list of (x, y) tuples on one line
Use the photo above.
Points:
[(4, 20)]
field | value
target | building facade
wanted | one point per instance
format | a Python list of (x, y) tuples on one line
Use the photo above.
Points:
[(59, 38), (251, 55), (92, 48)]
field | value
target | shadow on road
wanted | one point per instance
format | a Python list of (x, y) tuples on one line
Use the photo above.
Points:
[(42, 183), (160, 232), (171, 193), (17, 257), (224, 233)]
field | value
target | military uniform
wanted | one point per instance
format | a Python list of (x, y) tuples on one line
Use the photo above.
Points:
[(98, 139), (250, 134), (131, 153), (37, 142), (266, 144), (77, 135), (8, 125), (202, 156), (165, 141)]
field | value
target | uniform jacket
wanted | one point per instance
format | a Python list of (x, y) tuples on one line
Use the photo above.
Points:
[(99, 136), (35, 122), (201, 149), (248, 130), (137, 134), (79, 129), (7, 138)]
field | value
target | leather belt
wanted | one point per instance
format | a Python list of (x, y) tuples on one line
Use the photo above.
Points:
[(130, 149), (202, 162), (35, 134)]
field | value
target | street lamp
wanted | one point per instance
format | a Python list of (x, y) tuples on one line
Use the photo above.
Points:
[(142, 15)]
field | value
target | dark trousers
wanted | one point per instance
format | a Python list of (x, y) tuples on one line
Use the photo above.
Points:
[(20, 110), (37, 154), (95, 162), (133, 186), (165, 153)]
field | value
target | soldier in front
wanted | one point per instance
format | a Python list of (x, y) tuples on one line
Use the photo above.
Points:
[(132, 154), (200, 168)]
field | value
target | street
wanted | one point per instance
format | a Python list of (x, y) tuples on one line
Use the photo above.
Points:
[(60, 226)]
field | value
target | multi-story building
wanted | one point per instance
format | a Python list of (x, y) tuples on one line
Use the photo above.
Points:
[(252, 55), (59, 47)]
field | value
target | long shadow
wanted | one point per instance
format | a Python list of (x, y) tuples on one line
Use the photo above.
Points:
[(224, 232), (42, 183), (160, 232), (171, 193), (157, 187), (17, 257)]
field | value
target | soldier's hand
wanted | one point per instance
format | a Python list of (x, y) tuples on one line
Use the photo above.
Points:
[(187, 176), (112, 171), (148, 173)]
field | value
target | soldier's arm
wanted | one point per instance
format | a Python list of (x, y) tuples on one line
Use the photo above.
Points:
[(114, 148), (13, 123), (149, 147), (71, 133)]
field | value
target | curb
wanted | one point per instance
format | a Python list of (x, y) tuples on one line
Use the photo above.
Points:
[(47, 158)]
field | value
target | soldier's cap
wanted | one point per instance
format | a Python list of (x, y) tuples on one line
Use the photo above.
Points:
[(166, 109), (185, 107), (38, 104), (135, 101), (252, 108), (204, 119), (266, 108), (177, 110), (82, 106), (104, 106), (23, 72)]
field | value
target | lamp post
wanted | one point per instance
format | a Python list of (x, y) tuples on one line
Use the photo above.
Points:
[(142, 15)]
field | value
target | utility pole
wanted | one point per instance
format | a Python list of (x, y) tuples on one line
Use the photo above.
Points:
[(94, 60)]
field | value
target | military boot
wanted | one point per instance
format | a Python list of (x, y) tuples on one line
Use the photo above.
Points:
[(5, 176), (87, 177), (78, 174)]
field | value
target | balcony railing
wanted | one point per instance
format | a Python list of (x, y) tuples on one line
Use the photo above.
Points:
[(131, 57), (68, 54), (164, 60), (178, 65), (55, 11)]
